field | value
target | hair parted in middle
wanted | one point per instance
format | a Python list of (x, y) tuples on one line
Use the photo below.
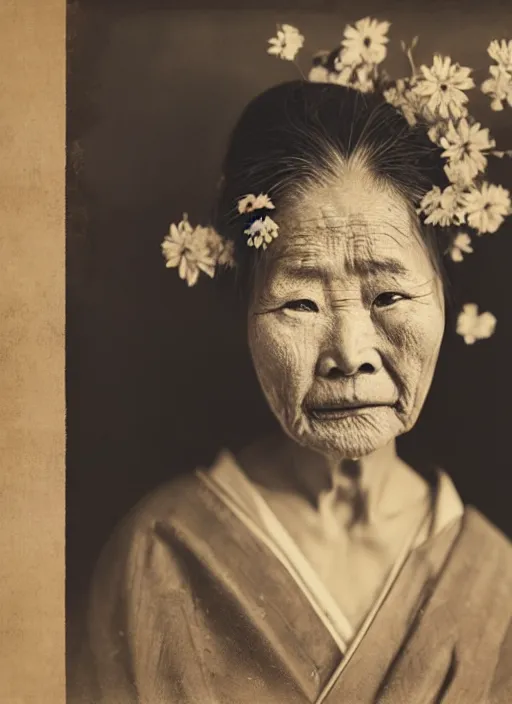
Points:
[(301, 133)]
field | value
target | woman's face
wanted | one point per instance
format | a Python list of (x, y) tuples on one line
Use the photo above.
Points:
[(346, 318)]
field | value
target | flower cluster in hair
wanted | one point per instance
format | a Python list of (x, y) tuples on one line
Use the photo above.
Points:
[(261, 229), (434, 96), (195, 249)]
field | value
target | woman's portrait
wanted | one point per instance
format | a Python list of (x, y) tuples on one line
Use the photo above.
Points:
[(289, 354)]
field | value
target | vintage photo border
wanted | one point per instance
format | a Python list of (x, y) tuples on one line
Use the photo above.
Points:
[(32, 389)]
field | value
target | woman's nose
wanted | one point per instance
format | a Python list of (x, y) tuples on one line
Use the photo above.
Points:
[(350, 349)]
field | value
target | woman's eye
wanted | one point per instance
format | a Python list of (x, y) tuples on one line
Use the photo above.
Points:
[(388, 298), (303, 305)]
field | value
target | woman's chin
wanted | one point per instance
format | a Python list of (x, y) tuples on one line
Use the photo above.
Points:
[(351, 436)]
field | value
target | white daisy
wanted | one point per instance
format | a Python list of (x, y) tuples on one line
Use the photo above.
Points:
[(459, 175), (498, 87), (461, 245), (287, 43), (486, 207), (443, 207), (366, 42), (252, 202), (443, 84), (464, 145), (474, 326), (501, 52), (261, 232), (190, 250)]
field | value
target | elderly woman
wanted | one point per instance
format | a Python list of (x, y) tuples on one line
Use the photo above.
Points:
[(316, 565)]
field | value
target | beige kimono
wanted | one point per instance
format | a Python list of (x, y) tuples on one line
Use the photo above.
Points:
[(201, 597)]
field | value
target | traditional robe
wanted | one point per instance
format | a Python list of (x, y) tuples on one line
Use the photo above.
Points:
[(200, 599)]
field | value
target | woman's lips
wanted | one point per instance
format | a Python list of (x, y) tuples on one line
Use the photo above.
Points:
[(331, 412)]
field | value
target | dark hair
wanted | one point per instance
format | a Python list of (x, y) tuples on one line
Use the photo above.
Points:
[(287, 137)]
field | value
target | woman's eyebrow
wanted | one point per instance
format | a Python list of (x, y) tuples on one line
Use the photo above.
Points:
[(302, 271), (373, 266)]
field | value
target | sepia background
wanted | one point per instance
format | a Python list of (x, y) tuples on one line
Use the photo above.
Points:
[(158, 377), (32, 401)]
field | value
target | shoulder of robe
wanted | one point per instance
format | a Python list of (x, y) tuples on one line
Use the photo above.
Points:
[(140, 592), (142, 543), (491, 545), (482, 526)]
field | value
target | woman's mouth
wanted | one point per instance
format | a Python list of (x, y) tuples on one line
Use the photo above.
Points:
[(335, 412)]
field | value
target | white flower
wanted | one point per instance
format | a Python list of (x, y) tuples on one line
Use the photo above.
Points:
[(487, 207), (363, 81), (319, 74), (410, 104), (221, 250), (443, 207), (499, 87), (189, 249), (459, 175), (437, 131), (343, 61), (366, 42), (342, 76), (251, 202), (395, 94), (501, 52), (261, 232), (473, 326), (227, 255), (444, 84), (460, 245), (463, 145), (287, 43)]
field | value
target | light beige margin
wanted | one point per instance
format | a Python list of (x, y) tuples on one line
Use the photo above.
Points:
[(32, 123)]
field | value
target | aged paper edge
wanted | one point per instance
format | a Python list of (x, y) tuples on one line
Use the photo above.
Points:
[(32, 400)]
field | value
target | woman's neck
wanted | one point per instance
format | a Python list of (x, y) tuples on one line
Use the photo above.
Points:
[(365, 491)]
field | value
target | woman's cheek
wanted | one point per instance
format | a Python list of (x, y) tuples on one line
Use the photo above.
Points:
[(414, 337), (283, 354), (414, 331)]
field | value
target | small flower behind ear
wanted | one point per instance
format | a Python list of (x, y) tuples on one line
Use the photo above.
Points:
[(474, 326), (195, 249), (261, 232)]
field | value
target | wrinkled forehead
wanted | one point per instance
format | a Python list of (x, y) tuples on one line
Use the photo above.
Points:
[(356, 218), (358, 243)]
